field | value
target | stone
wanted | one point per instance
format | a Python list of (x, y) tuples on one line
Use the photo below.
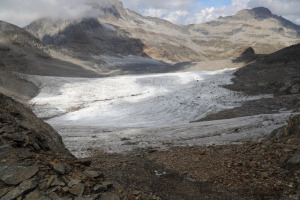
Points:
[(4, 191), (92, 174), (66, 189), (109, 196), (36, 195), (100, 188), (14, 175), (77, 190), (107, 184), (295, 160), (17, 137), (84, 161), (59, 168), (73, 182), (24, 187), (57, 182)]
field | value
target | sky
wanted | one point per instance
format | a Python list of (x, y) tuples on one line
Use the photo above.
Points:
[(180, 12)]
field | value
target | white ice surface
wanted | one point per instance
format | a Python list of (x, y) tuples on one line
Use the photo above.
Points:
[(134, 101), (121, 114), (80, 139)]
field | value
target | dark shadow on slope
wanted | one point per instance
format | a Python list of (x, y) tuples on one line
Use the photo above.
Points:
[(147, 176), (278, 74), (89, 37)]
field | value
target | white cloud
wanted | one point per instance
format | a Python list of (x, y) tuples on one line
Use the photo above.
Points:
[(23, 12), (158, 4), (177, 17), (152, 12), (289, 9)]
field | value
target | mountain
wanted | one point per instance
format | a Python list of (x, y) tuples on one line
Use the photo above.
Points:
[(20, 52), (257, 27), (277, 74), (119, 31)]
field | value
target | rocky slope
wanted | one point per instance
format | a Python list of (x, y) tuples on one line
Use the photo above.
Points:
[(257, 27), (268, 169), (277, 74), (20, 52), (34, 163), (135, 34)]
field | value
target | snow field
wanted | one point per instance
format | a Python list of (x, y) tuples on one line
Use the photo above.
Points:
[(134, 101)]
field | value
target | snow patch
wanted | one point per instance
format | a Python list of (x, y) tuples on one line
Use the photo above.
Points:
[(108, 26)]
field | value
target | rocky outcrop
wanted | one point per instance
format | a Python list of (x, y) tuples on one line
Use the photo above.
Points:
[(276, 73), (34, 163), (21, 128)]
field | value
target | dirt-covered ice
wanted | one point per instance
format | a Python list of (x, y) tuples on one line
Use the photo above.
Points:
[(120, 114), (79, 139)]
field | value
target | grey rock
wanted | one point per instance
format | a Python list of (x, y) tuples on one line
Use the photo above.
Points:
[(24, 187), (77, 190), (36, 195), (92, 174), (73, 182), (6, 129), (295, 160), (109, 196), (84, 161), (66, 189), (100, 188), (14, 175), (60, 168), (5, 147), (57, 182), (17, 137), (4, 191)]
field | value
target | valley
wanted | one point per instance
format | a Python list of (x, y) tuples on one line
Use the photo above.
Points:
[(116, 105)]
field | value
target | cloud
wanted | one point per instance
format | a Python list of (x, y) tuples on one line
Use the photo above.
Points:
[(22, 12), (289, 9), (158, 4), (177, 17), (152, 12)]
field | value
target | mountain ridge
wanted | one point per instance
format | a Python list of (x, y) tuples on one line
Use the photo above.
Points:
[(161, 40)]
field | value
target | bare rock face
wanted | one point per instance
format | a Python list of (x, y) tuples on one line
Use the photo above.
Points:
[(27, 129), (34, 163), (276, 73), (122, 31)]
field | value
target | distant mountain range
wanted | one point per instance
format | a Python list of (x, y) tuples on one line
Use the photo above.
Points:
[(120, 41), (120, 31)]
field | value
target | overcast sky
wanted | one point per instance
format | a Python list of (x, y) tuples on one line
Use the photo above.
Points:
[(22, 12)]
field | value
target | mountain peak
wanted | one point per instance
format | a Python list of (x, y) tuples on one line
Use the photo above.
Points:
[(258, 12)]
